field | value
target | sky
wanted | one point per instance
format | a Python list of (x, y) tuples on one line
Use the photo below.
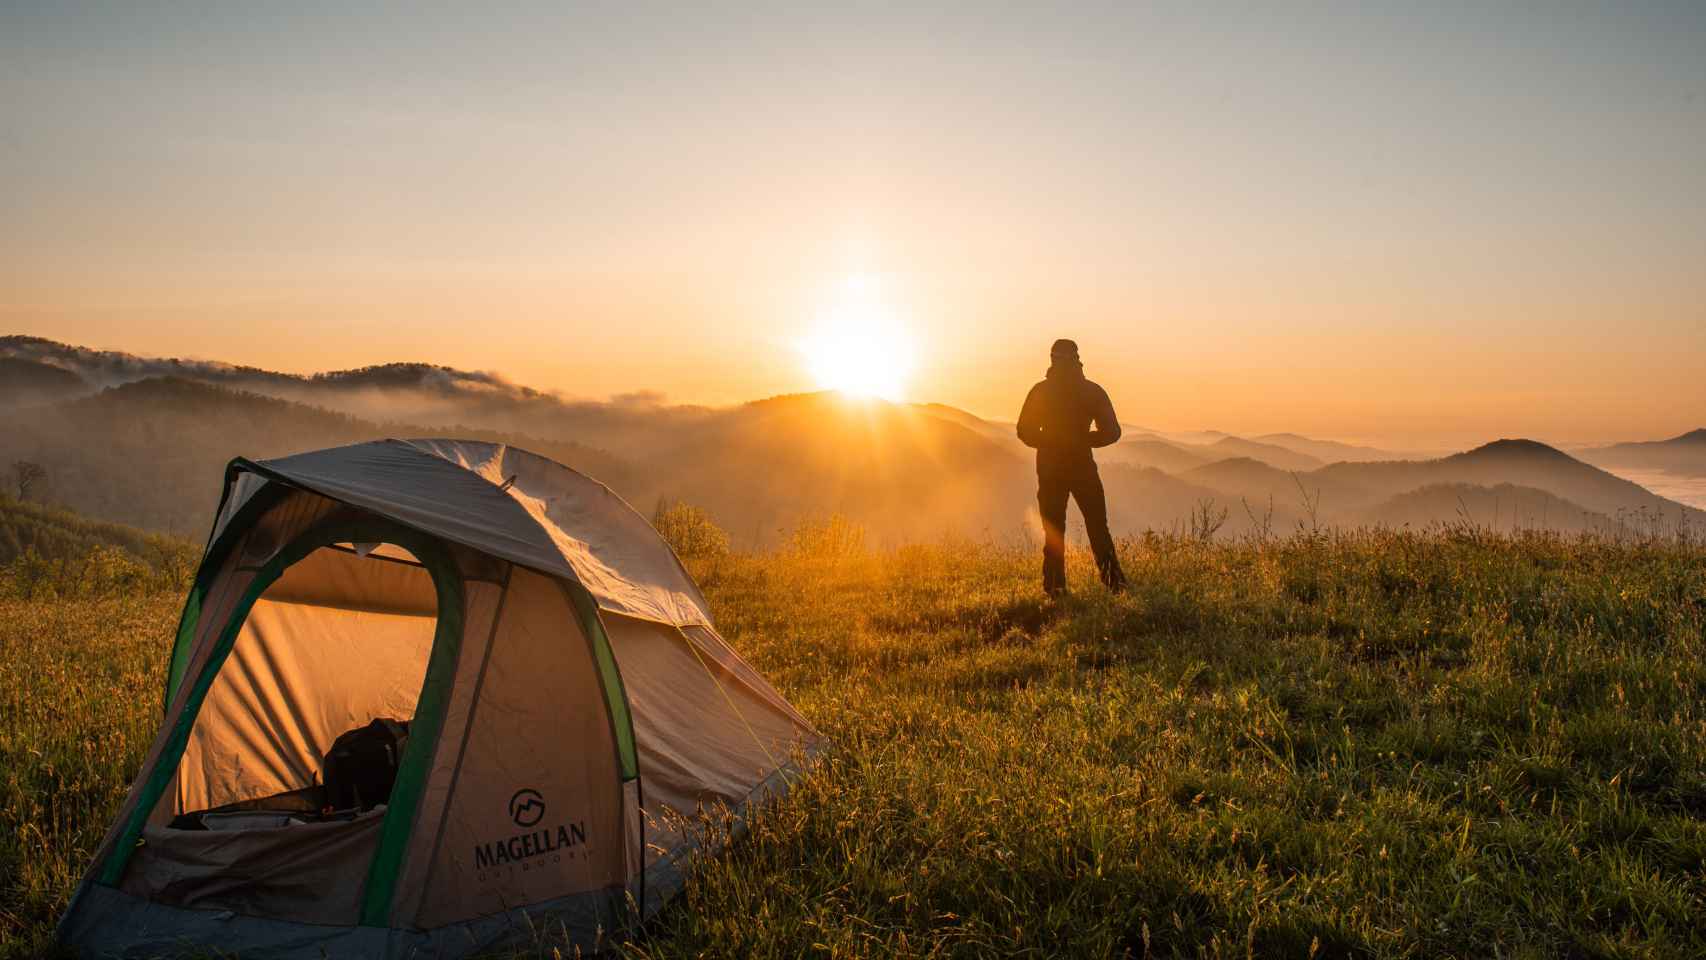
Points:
[(1415, 224)]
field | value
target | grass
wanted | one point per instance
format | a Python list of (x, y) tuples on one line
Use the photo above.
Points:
[(80, 687), (1375, 744)]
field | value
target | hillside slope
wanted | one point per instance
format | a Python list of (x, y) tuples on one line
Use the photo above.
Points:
[(407, 393), (1524, 463), (1157, 453), (55, 533), (152, 453), (1003, 435), (1503, 508), (26, 382), (762, 467), (1327, 451), (1684, 455), (1558, 490), (1268, 453)]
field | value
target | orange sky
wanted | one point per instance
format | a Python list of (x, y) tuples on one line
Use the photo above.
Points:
[(1401, 227)]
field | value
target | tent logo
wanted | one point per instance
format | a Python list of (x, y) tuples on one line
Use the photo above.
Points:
[(527, 807), (533, 848)]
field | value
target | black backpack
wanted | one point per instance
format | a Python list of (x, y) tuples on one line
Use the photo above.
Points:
[(362, 764)]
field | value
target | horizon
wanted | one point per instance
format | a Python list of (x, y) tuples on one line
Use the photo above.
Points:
[(1187, 435), (1412, 229)]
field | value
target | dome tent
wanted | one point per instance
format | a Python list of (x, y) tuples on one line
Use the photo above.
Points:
[(568, 709)]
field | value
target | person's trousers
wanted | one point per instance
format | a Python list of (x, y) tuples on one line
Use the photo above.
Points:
[(1057, 479)]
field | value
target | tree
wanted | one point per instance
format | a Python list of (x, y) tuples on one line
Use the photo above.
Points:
[(28, 475)]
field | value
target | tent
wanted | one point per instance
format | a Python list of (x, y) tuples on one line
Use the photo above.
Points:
[(571, 718)]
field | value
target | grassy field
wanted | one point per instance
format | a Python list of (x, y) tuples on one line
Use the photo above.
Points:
[(1365, 745)]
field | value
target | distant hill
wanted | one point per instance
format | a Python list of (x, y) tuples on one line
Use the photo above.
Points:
[(1268, 453), (417, 393), (107, 368), (1292, 493), (1239, 474), (1503, 508), (1190, 438), (1684, 455), (1524, 463), (1149, 499), (1327, 451), (152, 453), (639, 425), (906, 474), (1155, 453), (1177, 456), (25, 382), (126, 444), (1002, 434), (1353, 493)]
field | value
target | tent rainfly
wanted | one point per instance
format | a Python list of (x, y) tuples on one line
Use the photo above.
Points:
[(556, 717)]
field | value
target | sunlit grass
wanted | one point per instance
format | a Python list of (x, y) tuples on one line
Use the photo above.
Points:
[(80, 687), (1370, 745)]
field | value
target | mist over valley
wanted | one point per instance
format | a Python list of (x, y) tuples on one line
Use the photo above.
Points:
[(142, 441)]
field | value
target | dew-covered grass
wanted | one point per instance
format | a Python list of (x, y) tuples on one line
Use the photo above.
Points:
[(1373, 744)]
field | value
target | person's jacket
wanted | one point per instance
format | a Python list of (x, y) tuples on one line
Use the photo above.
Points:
[(1066, 415)]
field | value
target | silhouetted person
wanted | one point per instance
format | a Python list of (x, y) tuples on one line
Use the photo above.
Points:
[(1065, 417)]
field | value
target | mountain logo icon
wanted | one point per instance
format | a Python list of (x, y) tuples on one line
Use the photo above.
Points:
[(527, 807)]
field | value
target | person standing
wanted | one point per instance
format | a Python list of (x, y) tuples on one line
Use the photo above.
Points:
[(1064, 418)]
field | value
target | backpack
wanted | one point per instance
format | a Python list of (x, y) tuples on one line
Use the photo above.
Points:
[(362, 764)]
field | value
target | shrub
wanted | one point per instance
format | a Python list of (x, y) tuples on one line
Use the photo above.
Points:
[(689, 531), (99, 571)]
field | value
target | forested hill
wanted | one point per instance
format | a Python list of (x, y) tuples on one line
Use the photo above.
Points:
[(152, 453), (57, 534)]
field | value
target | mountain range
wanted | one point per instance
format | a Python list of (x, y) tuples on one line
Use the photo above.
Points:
[(143, 441)]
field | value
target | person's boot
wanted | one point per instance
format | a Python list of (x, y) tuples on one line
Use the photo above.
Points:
[(1054, 577), (1112, 576)]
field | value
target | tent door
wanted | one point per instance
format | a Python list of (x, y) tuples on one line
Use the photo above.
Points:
[(332, 632)]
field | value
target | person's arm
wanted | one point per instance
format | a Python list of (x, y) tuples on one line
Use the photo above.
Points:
[(1107, 432), (1030, 431)]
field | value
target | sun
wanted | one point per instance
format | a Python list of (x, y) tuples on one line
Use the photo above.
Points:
[(859, 345)]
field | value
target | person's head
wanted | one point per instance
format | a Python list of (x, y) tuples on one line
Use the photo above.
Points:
[(1064, 353)]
